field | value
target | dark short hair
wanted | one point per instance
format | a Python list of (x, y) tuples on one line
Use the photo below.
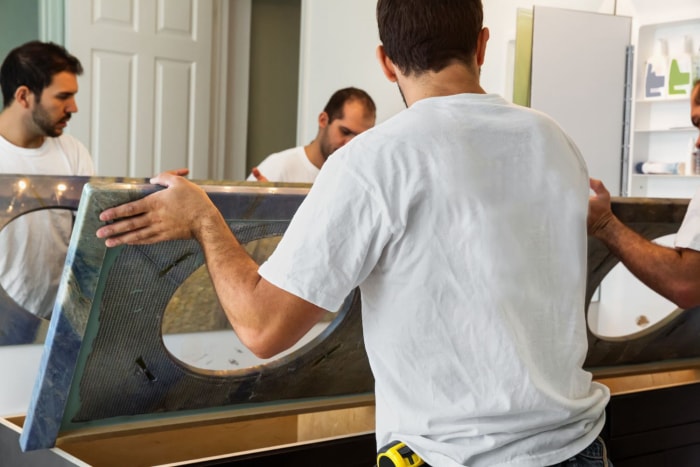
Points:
[(427, 35), (334, 107), (34, 65)]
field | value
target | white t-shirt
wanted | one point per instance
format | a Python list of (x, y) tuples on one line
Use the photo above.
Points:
[(463, 221), (688, 235), (34, 245), (290, 166)]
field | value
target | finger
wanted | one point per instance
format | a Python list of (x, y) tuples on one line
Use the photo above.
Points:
[(136, 237), (123, 226), (131, 209), (182, 171), (260, 177), (167, 179), (598, 187), (179, 172)]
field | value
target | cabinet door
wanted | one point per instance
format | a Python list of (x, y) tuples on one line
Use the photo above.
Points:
[(578, 78)]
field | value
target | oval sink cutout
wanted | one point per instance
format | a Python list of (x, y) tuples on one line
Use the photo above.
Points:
[(197, 333), (623, 308)]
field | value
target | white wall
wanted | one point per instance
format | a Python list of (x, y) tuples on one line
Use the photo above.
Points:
[(19, 366), (657, 11), (338, 45), (341, 53), (499, 17)]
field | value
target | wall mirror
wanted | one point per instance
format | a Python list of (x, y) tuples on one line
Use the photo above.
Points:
[(27, 201), (194, 329), (315, 73), (248, 45)]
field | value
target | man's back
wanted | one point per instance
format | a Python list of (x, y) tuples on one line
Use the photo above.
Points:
[(470, 214), (430, 214)]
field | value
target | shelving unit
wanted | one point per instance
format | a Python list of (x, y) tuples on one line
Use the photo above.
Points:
[(661, 128)]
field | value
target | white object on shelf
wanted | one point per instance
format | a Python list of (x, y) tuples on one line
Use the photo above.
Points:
[(670, 168)]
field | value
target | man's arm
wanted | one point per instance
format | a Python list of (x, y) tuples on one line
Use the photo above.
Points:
[(672, 272), (266, 318)]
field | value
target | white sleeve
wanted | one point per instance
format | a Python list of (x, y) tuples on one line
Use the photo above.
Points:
[(689, 234), (334, 241), (85, 165), (79, 157)]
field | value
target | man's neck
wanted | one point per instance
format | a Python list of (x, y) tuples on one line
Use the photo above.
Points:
[(12, 129), (313, 153), (451, 80)]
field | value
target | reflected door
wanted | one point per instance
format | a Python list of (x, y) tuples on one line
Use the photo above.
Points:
[(577, 62), (144, 98)]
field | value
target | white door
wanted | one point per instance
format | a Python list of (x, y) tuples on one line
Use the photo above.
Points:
[(144, 97)]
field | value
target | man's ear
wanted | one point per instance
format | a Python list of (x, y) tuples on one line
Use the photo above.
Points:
[(323, 119), (23, 96), (387, 65), (481, 46)]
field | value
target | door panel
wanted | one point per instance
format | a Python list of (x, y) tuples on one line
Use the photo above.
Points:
[(144, 99), (111, 132), (579, 80), (173, 78)]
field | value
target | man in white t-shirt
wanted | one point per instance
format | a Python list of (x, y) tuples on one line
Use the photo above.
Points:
[(349, 112), (463, 221), (671, 272), (39, 83)]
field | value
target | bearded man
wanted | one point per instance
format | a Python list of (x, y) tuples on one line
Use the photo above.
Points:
[(39, 84)]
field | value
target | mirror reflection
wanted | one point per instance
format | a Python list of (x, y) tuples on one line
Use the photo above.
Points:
[(195, 328), (36, 222), (625, 308), (35, 245), (497, 77)]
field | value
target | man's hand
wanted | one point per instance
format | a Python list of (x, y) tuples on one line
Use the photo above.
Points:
[(258, 176), (177, 212), (599, 210)]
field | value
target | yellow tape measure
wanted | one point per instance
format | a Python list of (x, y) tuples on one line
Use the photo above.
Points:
[(397, 454)]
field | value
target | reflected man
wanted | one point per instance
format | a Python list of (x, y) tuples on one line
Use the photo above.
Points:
[(39, 83), (671, 272), (349, 112)]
